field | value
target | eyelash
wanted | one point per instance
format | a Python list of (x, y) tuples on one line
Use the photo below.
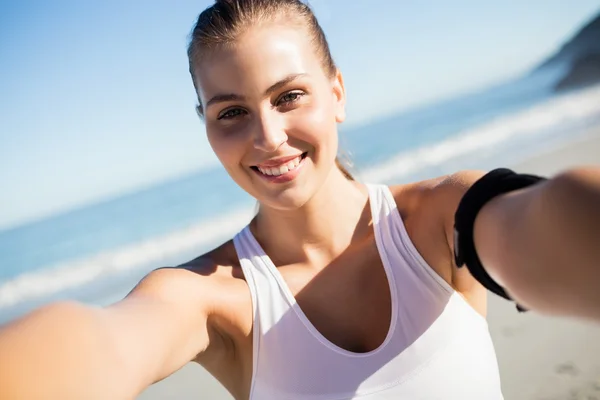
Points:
[(297, 95)]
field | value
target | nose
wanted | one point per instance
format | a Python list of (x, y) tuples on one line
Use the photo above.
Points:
[(269, 134)]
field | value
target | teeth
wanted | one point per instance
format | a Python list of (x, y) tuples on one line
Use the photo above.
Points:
[(276, 171)]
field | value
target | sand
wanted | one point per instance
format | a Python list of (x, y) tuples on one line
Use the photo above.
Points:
[(540, 358)]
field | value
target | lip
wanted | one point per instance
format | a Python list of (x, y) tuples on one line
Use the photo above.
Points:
[(287, 177), (276, 162)]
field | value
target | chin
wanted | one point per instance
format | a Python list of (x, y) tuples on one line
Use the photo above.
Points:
[(289, 199)]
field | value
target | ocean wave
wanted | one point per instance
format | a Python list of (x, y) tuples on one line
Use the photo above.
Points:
[(147, 254), (557, 113)]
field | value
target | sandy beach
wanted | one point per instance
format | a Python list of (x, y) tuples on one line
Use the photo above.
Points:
[(540, 358)]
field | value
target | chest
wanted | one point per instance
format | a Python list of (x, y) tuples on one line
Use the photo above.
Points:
[(348, 300)]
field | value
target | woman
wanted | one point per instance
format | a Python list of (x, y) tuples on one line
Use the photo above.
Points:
[(336, 289)]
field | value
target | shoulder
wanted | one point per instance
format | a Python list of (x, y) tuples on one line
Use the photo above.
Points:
[(445, 186), (428, 208), (209, 271), (212, 285), (437, 197), (193, 311)]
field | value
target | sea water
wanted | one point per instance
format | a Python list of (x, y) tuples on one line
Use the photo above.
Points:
[(96, 254)]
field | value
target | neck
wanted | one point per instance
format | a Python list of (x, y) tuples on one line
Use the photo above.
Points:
[(323, 227)]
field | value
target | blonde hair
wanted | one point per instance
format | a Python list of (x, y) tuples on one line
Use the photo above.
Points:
[(223, 22)]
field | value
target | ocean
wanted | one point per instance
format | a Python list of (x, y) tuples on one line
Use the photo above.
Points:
[(96, 254)]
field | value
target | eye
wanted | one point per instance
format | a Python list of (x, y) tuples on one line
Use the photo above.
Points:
[(290, 97), (231, 113)]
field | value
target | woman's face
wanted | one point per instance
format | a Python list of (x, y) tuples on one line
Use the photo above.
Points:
[(271, 114)]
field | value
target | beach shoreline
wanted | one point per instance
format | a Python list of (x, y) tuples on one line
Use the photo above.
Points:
[(540, 358)]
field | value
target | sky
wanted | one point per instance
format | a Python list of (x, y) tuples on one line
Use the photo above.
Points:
[(96, 100)]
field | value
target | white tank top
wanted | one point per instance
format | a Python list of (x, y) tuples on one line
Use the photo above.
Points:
[(437, 346)]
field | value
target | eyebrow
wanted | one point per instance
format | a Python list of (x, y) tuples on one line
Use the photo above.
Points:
[(221, 98)]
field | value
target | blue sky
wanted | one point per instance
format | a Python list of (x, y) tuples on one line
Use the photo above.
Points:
[(95, 97)]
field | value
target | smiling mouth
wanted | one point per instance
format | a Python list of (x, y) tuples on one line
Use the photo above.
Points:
[(281, 169)]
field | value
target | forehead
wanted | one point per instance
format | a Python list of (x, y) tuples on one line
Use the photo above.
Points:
[(258, 59)]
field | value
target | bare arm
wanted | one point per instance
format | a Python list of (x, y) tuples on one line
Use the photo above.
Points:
[(72, 351), (542, 243)]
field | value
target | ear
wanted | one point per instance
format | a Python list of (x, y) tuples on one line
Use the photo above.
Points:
[(339, 93)]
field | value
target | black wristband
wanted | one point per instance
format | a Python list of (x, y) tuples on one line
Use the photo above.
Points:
[(494, 183)]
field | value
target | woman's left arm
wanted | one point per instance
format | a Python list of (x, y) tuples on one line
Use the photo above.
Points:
[(542, 243)]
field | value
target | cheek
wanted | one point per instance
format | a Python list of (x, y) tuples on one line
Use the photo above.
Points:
[(227, 149), (316, 123)]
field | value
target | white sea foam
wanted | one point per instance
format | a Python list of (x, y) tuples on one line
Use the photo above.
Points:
[(556, 113), (560, 112), (54, 279)]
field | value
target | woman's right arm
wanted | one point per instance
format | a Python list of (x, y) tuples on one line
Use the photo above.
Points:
[(73, 351)]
